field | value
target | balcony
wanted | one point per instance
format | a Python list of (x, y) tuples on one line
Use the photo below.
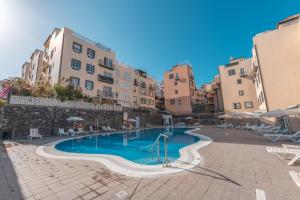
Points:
[(143, 85), (102, 64), (107, 94), (105, 79), (247, 75), (136, 83), (151, 87)]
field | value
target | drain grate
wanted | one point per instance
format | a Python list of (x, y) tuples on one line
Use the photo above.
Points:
[(121, 194)]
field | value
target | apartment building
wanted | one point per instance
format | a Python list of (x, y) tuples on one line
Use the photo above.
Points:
[(238, 91), (143, 90), (124, 76), (70, 58), (32, 70), (179, 89), (276, 59), (76, 60), (217, 93), (26, 71)]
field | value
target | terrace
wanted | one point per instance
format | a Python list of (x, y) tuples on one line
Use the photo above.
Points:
[(234, 166)]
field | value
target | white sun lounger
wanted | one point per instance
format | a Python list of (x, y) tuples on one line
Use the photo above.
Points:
[(282, 135), (61, 132), (34, 133), (291, 146), (72, 132), (279, 150), (263, 129)]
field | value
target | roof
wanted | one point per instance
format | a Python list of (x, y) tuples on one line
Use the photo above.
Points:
[(290, 18)]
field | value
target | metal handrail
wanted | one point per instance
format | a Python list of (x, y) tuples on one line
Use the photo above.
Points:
[(166, 162)]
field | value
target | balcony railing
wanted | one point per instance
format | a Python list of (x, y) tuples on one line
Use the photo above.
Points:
[(102, 64), (107, 94), (136, 83), (247, 75), (143, 85), (105, 79)]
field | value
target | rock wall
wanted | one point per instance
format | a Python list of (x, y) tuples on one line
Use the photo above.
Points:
[(19, 118)]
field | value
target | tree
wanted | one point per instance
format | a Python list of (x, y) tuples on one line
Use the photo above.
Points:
[(68, 92), (18, 86), (43, 89)]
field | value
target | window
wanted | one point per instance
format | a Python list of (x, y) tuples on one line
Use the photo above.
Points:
[(241, 92), (77, 47), (236, 106), (90, 69), (177, 76), (248, 104), (231, 72), (176, 91), (171, 76), (52, 52), (91, 53), (175, 83), (108, 74), (242, 71), (89, 85), (74, 81), (75, 64), (116, 82), (108, 62), (262, 97), (179, 102), (127, 76), (239, 81), (172, 101), (143, 101)]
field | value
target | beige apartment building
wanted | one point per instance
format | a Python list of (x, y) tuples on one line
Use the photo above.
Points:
[(238, 91), (32, 70), (70, 58), (276, 65), (124, 77), (26, 71), (79, 61), (179, 89), (143, 90), (211, 95)]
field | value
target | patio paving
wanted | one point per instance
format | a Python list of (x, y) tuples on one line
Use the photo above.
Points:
[(233, 167)]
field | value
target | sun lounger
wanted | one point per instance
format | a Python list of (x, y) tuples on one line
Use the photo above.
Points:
[(61, 132), (72, 132), (282, 135), (110, 129), (34, 133), (279, 150), (81, 131), (268, 129), (291, 146)]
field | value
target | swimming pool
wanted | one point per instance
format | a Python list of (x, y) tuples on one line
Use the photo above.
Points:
[(135, 146)]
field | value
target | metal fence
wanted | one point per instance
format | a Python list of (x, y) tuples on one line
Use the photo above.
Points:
[(37, 101)]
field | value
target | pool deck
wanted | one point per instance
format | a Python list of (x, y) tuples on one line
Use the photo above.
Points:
[(234, 166)]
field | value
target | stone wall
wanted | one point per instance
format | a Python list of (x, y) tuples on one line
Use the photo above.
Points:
[(151, 117), (21, 118)]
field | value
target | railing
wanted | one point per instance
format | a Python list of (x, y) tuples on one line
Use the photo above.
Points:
[(97, 44), (166, 162), (102, 64), (37, 101), (107, 94), (105, 79)]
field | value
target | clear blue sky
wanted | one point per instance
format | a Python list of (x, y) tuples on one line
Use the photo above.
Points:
[(152, 35)]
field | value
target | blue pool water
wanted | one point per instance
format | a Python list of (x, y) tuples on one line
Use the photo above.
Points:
[(134, 146)]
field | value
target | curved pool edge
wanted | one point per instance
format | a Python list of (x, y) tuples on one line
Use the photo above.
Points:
[(189, 158)]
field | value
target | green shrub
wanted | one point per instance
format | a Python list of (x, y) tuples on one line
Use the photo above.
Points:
[(2, 102)]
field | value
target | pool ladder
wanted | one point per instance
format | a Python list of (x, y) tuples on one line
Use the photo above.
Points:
[(166, 162)]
